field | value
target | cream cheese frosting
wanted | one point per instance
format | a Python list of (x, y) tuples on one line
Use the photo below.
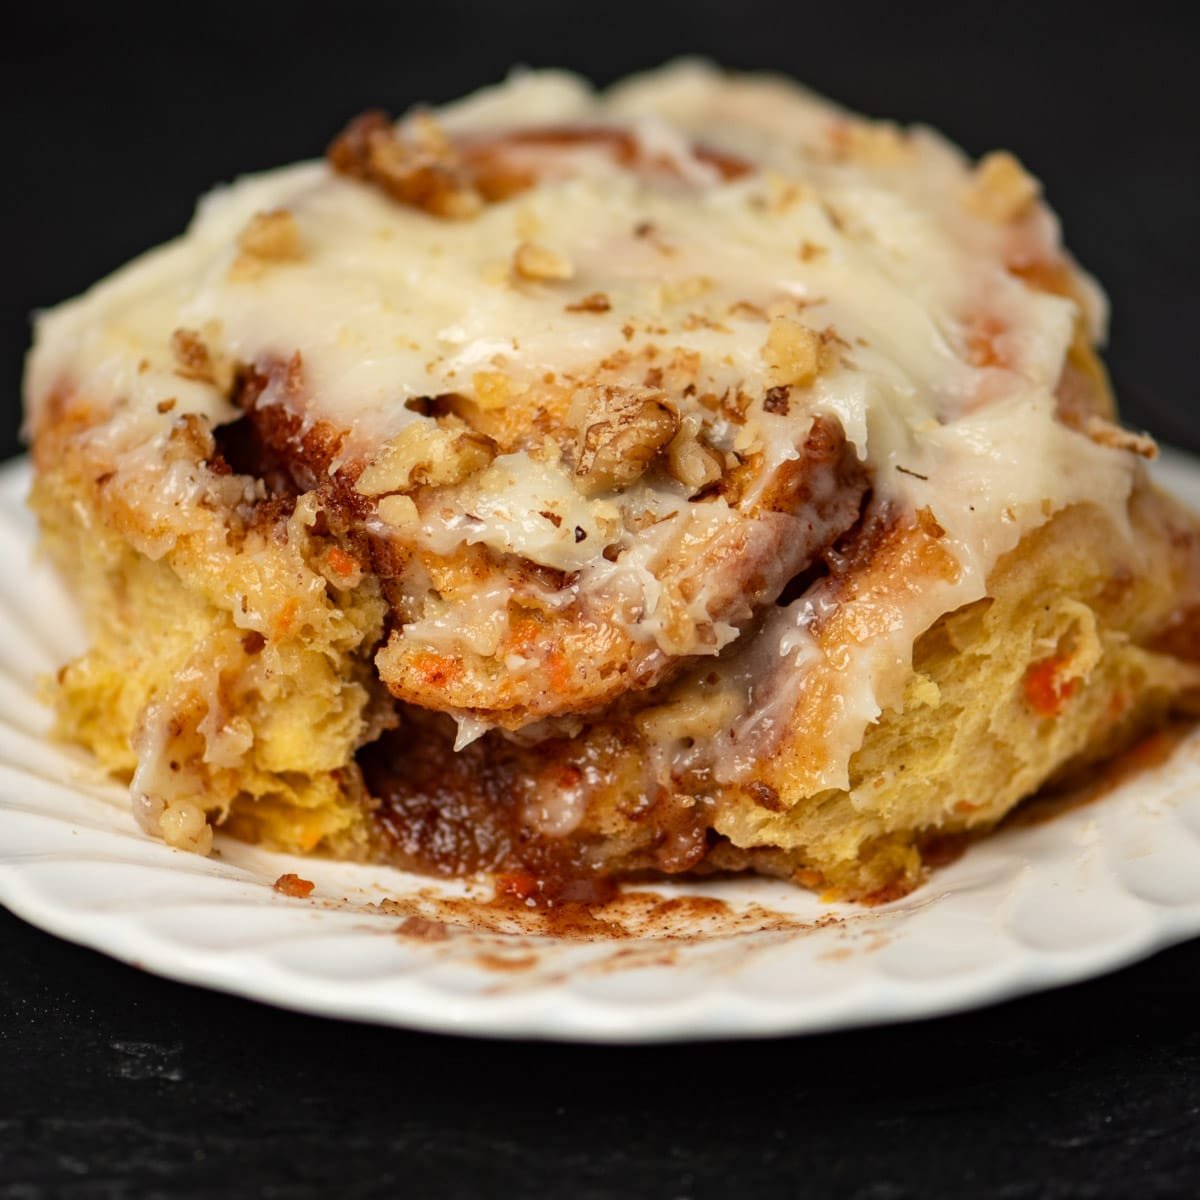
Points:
[(727, 239)]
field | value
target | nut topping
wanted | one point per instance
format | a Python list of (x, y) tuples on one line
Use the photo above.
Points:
[(426, 455), (622, 432)]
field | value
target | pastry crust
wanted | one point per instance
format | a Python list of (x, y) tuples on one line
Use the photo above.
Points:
[(693, 477)]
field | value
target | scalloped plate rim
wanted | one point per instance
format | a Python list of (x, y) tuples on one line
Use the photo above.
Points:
[(548, 1013)]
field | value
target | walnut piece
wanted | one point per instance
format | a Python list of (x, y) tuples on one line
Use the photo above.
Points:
[(684, 291), (793, 352), (783, 193), (777, 401), (1001, 190), (416, 165), (194, 360), (695, 711), (184, 825), (398, 511), (593, 302), (764, 795), (493, 389), (876, 143), (541, 264), (425, 454), (271, 235), (690, 461), (622, 432), (1105, 433)]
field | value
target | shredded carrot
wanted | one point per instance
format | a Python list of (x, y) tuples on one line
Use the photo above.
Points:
[(282, 623), (1046, 692), (342, 564), (568, 776), (437, 670), (559, 670), (523, 632)]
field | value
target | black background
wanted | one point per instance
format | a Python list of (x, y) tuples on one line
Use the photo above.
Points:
[(115, 1084)]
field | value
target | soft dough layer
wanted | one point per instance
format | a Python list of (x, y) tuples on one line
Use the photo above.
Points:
[(693, 477), (1056, 668)]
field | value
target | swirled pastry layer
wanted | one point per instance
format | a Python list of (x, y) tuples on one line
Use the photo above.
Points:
[(566, 483)]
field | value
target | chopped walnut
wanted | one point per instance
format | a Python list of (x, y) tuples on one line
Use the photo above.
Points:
[(877, 143), (184, 825), (683, 291), (398, 511), (190, 437), (493, 389), (732, 406), (783, 193), (536, 262), (1105, 433), (622, 431), (425, 454), (271, 235), (647, 231), (194, 360), (429, 138), (415, 165), (748, 311), (699, 320), (777, 401), (764, 796), (1001, 189), (695, 711), (593, 302), (793, 352), (690, 461)]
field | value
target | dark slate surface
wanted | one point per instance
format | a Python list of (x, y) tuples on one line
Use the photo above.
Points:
[(116, 1084)]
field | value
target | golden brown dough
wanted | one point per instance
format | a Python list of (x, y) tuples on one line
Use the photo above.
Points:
[(690, 477)]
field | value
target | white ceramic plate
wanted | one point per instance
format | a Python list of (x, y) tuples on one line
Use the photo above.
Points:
[(1031, 907)]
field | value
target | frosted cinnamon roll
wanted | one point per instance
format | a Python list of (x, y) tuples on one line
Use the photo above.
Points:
[(692, 476)]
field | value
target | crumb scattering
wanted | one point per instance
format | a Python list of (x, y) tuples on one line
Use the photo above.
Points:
[(293, 885)]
